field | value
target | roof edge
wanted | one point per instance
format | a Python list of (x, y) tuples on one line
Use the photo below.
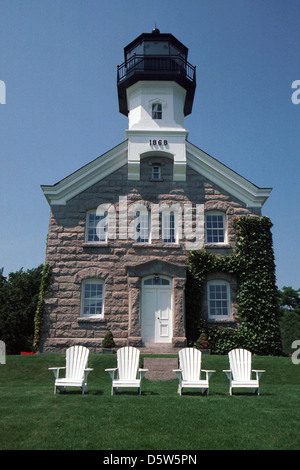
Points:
[(70, 186), (226, 178)]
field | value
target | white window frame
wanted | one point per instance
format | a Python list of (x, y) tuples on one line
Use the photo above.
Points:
[(102, 229), (170, 227), (88, 300), (143, 228), (214, 316), (156, 110), (217, 229)]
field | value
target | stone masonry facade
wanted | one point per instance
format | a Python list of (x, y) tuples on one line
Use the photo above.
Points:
[(121, 264)]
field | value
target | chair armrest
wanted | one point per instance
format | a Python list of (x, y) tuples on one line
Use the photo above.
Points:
[(55, 371), (86, 373), (111, 372), (258, 372), (178, 372), (208, 373), (142, 372), (229, 374)]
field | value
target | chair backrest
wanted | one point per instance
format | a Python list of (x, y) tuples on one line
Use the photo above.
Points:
[(240, 364), (76, 361), (190, 363), (128, 362)]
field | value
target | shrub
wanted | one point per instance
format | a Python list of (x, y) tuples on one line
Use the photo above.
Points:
[(202, 342), (108, 340), (18, 301)]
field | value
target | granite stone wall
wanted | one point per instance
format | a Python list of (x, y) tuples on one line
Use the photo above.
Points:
[(121, 263)]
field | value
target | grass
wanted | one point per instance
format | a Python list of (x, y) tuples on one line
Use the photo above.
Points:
[(32, 417)]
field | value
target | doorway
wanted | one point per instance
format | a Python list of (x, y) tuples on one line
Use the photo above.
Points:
[(156, 314)]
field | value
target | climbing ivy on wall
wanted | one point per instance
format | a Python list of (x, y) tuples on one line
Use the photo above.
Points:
[(38, 318), (252, 264)]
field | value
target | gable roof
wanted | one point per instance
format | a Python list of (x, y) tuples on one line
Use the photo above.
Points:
[(206, 165), (225, 178), (69, 187)]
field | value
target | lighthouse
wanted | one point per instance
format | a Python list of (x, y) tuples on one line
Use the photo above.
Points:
[(122, 225), (156, 87)]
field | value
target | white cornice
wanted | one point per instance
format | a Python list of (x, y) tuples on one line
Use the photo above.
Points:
[(162, 132), (85, 177), (226, 178), (204, 164)]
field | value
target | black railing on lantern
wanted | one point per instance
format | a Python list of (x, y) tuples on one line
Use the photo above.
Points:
[(175, 65)]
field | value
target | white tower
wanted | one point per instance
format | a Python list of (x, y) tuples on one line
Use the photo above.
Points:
[(156, 87)]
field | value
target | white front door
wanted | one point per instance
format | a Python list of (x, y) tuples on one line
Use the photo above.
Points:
[(156, 318)]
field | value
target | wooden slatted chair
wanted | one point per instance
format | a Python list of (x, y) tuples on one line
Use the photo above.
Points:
[(240, 372), (129, 375), (189, 372), (76, 370)]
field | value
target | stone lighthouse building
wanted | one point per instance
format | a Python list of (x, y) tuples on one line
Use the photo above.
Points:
[(121, 226)]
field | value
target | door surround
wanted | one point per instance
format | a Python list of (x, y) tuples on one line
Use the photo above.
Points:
[(135, 274)]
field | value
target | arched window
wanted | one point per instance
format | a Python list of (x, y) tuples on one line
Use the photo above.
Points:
[(92, 298), (169, 226), (142, 227), (156, 281)]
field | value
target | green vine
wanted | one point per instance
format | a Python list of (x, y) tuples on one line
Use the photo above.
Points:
[(38, 318), (252, 264)]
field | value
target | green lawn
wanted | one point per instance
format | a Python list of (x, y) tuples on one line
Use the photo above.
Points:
[(32, 417)]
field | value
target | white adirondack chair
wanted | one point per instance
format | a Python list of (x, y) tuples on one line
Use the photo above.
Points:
[(128, 372), (240, 372), (189, 372), (76, 370)]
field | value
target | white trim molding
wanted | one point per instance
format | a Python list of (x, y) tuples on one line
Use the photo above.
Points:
[(61, 192), (227, 179), (90, 174)]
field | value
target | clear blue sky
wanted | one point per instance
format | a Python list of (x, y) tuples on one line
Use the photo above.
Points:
[(58, 59)]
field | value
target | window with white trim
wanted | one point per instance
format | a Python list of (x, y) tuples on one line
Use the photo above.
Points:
[(142, 228), (156, 110), (169, 227), (96, 227), (218, 299), (215, 225), (92, 298)]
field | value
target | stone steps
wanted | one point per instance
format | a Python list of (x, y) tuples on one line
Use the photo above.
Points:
[(158, 348), (160, 368)]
